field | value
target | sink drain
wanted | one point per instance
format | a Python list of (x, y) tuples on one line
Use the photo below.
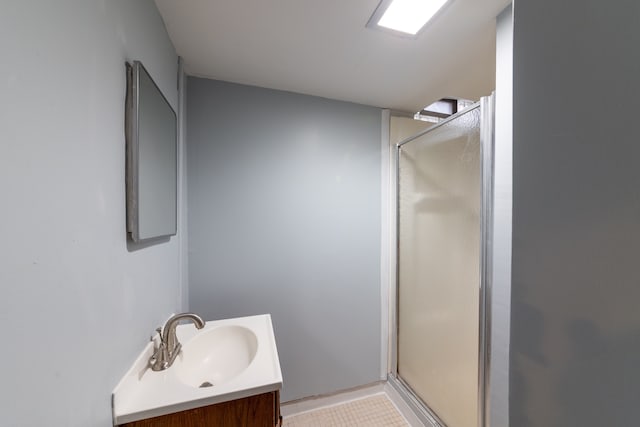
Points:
[(206, 384)]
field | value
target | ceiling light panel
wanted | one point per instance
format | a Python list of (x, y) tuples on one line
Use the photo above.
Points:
[(405, 16)]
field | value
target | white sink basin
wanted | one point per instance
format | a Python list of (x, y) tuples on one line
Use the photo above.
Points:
[(230, 359), (214, 357)]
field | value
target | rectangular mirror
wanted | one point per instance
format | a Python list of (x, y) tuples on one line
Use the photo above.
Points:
[(152, 159)]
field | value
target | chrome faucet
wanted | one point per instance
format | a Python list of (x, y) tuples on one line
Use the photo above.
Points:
[(169, 347)]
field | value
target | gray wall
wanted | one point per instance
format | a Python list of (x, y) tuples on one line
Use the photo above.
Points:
[(502, 212), (284, 218), (76, 307), (575, 330)]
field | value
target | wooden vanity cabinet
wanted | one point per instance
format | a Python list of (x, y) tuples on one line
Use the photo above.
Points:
[(262, 410)]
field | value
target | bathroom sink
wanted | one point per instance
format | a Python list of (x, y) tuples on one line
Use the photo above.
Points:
[(214, 357), (228, 359)]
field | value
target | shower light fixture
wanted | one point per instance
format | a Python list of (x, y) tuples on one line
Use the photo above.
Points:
[(442, 109), (406, 17)]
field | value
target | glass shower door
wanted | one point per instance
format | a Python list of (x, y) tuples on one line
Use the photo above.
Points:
[(439, 268)]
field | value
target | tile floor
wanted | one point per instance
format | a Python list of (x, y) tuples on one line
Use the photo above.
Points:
[(374, 411)]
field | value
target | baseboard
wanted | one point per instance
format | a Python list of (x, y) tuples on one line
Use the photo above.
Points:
[(296, 407)]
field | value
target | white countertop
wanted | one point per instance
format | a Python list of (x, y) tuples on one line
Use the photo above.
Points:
[(143, 393)]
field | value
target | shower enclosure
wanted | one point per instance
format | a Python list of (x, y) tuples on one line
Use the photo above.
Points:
[(444, 183)]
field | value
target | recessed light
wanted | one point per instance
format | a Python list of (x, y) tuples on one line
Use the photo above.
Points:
[(405, 16)]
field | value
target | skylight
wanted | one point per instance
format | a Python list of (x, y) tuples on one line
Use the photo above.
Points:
[(405, 16)]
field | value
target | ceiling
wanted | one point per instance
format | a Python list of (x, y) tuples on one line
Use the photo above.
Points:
[(322, 48)]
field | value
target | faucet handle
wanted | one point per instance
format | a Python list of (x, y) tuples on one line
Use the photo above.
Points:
[(158, 359), (156, 339)]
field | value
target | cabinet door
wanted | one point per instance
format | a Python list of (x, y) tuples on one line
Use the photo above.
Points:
[(255, 411)]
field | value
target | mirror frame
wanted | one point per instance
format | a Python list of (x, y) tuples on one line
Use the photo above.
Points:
[(133, 154)]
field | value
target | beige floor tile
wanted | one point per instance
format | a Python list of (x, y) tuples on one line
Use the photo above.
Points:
[(374, 411)]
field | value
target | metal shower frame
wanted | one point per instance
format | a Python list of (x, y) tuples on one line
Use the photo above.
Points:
[(487, 120)]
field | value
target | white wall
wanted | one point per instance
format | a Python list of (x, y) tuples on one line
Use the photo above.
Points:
[(76, 306), (575, 330), (284, 218)]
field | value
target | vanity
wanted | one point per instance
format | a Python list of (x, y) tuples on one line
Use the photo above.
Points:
[(226, 374), (262, 410)]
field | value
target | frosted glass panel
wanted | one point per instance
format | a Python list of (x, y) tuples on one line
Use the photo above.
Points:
[(439, 268)]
